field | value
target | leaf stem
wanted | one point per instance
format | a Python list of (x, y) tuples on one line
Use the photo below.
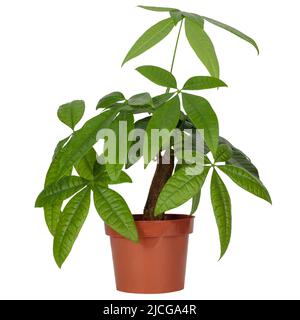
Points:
[(175, 50), (176, 46)]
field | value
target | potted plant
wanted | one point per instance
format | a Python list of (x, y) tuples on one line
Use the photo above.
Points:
[(149, 250)]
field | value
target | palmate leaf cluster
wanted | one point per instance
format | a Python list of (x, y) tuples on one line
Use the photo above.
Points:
[(76, 176)]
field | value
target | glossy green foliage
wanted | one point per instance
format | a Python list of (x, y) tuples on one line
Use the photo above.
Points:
[(164, 117), (79, 145), (141, 99), (71, 113), (140, 125), (85, 165), (159, 76), (224, 153), (60, 190), (247, 181), (52, 213), (176, 16), (52, 210), (102, 177), (110, 100), (195, 18), (161, 99), (221, 203), (203, 117), (200, 21), (50, 178), (121, 127), (234, 31), (161, 112), (239, 159), (60, 146), (114, 211), (70, 224), (150, 38), (203, 47), (180, 188), (203, 82), (195, 202), (158, 9)]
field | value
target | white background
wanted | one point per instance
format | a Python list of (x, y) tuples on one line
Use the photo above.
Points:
[(52, 52)]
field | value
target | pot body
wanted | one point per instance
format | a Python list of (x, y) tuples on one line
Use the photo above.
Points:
[(157, 263)]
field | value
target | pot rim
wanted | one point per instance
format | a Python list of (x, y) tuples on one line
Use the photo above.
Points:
[(175, 225)]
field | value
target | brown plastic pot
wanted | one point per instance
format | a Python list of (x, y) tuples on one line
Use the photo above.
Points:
[(157, 263)]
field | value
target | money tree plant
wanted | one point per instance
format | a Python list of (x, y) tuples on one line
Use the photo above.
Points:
[(75, 171)]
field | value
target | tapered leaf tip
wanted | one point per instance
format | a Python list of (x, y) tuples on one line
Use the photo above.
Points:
[(257, 48), (223, 251), (268, 197), (58, 262), (254, 44), (37, 203), (221, 256), (125, 60)]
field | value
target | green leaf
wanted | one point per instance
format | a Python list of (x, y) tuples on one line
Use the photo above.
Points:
[(234, 31), (79, 145), (203, 47), (52, 213), (60, 146), (239, 159), (221, 203), (102, 177), (71, 113), (139, 125), (70, 224), (176, 16), (110, 99), (60, 190), (195, 18), (142, 123), (114, 211), (203, 117), (165, 117), (85, 166), (137, 109), (159, 76), (141, 99), (224, 153), (247, 181), (195, 203), (123, 178), (161, 99), (150, 38), (114, 170), (157, 9), (179, 189), (203, 82), (120, 147)]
